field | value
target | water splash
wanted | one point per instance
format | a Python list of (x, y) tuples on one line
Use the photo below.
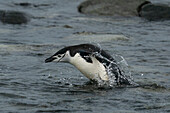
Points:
[(117, 70), (124, 67)]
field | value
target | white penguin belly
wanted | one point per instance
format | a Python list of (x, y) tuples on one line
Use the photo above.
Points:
[(94, 70)]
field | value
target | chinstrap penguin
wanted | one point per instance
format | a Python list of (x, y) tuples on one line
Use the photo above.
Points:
[(91, 61)]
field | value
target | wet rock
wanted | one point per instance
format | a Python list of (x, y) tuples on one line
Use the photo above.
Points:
[(110, 7), (142, 8), (14, 17), (154, 12), (141, 5)]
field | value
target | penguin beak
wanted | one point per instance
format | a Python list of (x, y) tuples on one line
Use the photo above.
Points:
[(54, 58), (50, 59)]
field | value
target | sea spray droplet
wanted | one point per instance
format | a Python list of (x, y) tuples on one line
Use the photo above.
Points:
[(117, 70), (49, 75)]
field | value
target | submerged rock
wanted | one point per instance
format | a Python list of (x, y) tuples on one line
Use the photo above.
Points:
[(154, 12), (111, 7), (14, 17), (26, 4), (97, 37)]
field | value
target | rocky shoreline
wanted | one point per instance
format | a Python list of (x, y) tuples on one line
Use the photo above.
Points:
[(125, 8), (141, 8)]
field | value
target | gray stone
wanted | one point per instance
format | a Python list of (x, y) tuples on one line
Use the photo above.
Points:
[(155, 12), (14, 17), (110, 7)]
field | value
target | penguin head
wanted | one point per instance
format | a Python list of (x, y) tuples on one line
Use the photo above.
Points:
[(62, 55)]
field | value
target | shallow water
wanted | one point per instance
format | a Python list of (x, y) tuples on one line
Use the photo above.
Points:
[(27, 84)]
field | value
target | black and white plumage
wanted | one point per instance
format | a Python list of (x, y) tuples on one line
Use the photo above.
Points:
[(91, 61)]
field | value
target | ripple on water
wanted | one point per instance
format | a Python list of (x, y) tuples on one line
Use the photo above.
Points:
[(25, 86), (11, 95)]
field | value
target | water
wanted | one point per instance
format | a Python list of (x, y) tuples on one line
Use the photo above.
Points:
[(27, 84)]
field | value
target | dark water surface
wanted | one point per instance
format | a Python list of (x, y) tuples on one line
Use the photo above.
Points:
[(29, 85)]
